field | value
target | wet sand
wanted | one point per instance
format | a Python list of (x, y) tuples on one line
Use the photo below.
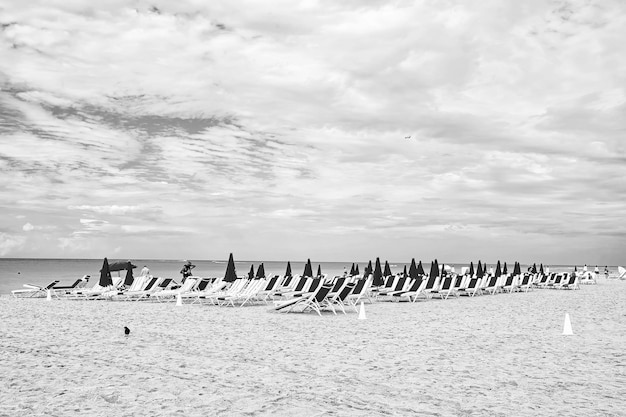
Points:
[(501, 355)]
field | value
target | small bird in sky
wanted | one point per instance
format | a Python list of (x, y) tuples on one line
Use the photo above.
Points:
[(407, 137), (126, 331)]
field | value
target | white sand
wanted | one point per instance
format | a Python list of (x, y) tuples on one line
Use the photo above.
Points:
[(500, 355)]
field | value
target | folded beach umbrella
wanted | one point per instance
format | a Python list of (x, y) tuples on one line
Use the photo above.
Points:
[(378, 274), (504, 271), (534, 269), (356, 270), (443, 270), (479, 270), (387, 270), (434, 271), (541, 269), (471, 269), (231, 274), (251, 273), (319, 270), (368, 270), (498, 270), (575, 269), (517, 269), (420, 269), (436, 266), (260, 272), (404, 273), (413, 269), (308, 269), (352, 270), (105, 274), (128, 280), (288, 271)]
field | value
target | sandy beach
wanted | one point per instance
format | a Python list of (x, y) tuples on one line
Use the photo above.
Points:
[(501, 355)]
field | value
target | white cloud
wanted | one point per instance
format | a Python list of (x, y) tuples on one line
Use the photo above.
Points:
[(209, 120)]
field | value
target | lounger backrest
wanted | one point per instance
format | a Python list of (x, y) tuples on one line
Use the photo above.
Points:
[(322, 293), (345, 291), (338, 284), (272, 282), (52, 284), (300, 285), (204, 282), (458, 281), (492, 281), (415, 285), (431, 282), (315, 282), (359, 286), (400, 284), (447, 283), (165, 283), (150, 284)]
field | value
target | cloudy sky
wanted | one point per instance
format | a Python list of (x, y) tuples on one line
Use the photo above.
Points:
[(278, 130)]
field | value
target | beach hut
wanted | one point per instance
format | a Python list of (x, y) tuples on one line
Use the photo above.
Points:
[(251, 272), (105, 274), (387, 270), (308, 269), (288, 270), (319, 271), (260, 272), (231, 273), (378, 274)]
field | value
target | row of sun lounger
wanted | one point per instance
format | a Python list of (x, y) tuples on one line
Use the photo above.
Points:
[(311, 293)]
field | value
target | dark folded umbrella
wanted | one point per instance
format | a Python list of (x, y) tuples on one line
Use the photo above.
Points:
[(378, 274), (319, 270), (413, 269), (231, 273), (128, 280), (404, 273), (387, 270), (356, 270), (541, 269), (434, 270), (308, 269), (479, 270), (420, 269), (105, 274), (471, 270), (251, 273), (260, 272), (498, 270), (288, 271), (352, 270), (504, 270), (534, 269)]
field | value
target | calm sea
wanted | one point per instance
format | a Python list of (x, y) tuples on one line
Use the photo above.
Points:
[(16, 272)]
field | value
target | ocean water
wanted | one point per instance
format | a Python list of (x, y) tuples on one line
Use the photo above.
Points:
[(14, 272)]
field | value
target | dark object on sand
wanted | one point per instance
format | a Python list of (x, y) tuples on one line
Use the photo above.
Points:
[(126, 330)]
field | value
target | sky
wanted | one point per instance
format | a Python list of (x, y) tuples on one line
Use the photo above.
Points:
[(336, 131)]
